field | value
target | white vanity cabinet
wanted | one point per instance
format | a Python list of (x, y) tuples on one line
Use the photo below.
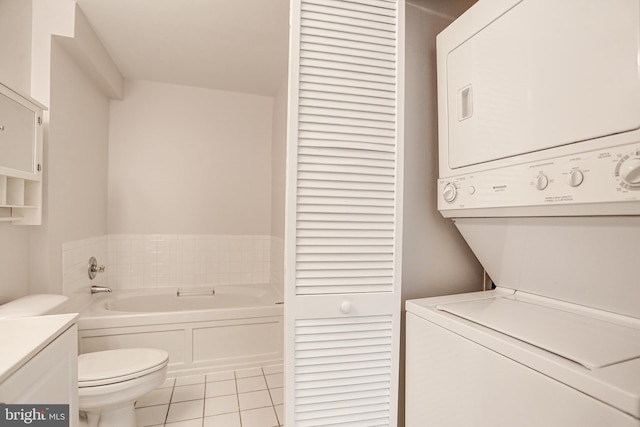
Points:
[(38, 362), (20, 158)]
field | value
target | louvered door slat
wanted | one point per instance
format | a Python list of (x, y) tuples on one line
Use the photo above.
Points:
[(344, 88), (343, 199), (332, 36), (372, 7), (309, 20), (378, 56), (345, 367), (313, 71), (333, 62), (341, 41), (346, 113), (361, 22)]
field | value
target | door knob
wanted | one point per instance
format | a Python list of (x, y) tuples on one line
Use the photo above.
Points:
[(346, 307)]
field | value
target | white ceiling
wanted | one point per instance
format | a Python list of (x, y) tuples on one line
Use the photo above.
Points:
[(234, 45)]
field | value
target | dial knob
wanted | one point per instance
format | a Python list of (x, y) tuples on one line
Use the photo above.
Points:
[(449, 192), (542, 181), (630, 172), (575, 178)]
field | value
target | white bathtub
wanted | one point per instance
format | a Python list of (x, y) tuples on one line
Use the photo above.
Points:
[(239, 326)]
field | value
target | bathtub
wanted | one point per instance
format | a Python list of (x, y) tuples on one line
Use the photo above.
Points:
[(236, 327)]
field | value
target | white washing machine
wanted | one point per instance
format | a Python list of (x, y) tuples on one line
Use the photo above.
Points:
[(539, 145), (505, 358)]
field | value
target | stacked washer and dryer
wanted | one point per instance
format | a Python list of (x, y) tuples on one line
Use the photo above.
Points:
[(539, 139)]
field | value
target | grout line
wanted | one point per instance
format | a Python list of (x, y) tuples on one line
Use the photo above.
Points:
[(273, 407), (166, 416), (237, 397), (204, 400)]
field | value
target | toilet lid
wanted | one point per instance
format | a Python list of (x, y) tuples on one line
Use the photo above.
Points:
[(112, 366)]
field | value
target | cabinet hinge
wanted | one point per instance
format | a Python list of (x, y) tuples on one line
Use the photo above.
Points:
[(39, 120)]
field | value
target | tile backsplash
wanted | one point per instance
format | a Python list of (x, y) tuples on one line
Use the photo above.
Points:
[(159, 260)]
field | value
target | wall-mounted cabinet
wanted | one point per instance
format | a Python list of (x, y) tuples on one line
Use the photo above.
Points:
[(20, 158)]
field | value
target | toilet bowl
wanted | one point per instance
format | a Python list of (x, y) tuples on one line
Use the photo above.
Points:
[(110, 381)]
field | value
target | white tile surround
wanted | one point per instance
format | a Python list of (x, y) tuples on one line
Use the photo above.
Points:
[(152, 261)]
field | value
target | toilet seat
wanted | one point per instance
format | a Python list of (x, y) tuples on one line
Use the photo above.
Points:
[(114, 366)]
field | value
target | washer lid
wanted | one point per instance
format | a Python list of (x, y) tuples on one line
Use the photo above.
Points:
[(589, 341), (110, 366)]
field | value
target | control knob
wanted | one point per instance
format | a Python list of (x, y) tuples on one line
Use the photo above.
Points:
[(629, 171), (575, 178), (449, 192), (541, 181)]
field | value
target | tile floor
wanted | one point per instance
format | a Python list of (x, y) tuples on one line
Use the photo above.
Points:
[(243, 398)]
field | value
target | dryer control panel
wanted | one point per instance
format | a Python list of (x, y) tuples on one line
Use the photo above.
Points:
[(579, 181)]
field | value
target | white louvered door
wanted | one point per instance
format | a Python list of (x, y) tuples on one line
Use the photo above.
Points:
[(343, 212)]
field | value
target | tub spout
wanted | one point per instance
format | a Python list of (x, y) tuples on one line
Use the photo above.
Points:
[(96, 289)]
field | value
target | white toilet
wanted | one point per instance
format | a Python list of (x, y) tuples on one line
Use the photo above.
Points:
[(109, 382)]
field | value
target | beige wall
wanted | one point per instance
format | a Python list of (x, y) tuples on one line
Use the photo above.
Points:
[(435, 258), (15, 44), (75, 186), (278, 179), (278, 160), (189, 160), (15, 72)]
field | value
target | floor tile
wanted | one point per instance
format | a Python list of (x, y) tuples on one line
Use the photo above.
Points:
[(224, 420), (185, 410), (188, 392), (275, 380), (251, 384), (188, 423), (263, 417), (192, 379), (221, 388), (273, 369), (168, 383), (277, 395), (251, 372), (159, 396), (221, 376), (280, 413), (220, 405), (151, 415), (254, 399)]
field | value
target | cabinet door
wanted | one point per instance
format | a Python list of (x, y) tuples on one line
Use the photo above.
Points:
[(343, 212), (17, 133), (50, 377)]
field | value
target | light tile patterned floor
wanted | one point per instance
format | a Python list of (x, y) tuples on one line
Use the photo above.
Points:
[(245, 398)]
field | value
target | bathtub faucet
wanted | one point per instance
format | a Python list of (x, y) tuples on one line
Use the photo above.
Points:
[(96, 289)]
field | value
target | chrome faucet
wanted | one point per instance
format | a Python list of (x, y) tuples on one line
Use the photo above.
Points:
[(94, 268), (96, 289)]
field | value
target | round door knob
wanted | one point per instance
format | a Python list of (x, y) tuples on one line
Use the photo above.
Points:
[(542, 181), (449, 192), (575, 178), (346, 307), (630, 172)]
